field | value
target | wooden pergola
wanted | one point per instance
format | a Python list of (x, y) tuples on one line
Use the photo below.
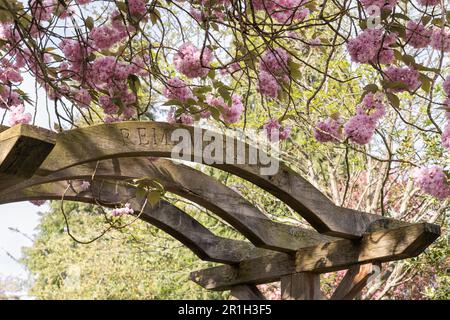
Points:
[(37, 164)]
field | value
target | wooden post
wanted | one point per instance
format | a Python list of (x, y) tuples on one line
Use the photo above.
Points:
[(354, 281), (301, 286), (247, 292)]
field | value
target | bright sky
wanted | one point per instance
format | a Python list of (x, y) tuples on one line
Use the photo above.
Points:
[(24, 215)]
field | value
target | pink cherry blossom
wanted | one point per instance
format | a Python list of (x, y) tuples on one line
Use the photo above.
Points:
[(268, 85), (177, 89), (186, 118), (429, 2), (446, 136), (10, 74), (231, 113), (275, 132), (19, 116), (372, 45), (122, 211), (85, 185), (287, 11), (82, 1), (83, 98), (372, 105), (42, 10), (283, 11), (329, 130), (433, 181), (274, 61), (9, 99), (137, 7), (382, 4), (109, 70), (446, 85), (105, 37), (183, 118), (440, 39), (407, 76), (108, 105), (417, 35), (360, 128), (191, 61)]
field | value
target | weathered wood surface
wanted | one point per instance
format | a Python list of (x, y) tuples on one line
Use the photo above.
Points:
[(247, 292), (22, 151), (379, 246), (199, 188), (3, 128), (354, 281), (165, 216), (130, 139), (301, 286)]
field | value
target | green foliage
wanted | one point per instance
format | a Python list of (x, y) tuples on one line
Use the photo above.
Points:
[(138, 262)]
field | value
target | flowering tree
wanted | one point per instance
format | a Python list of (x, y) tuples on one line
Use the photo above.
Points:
[(118, 60), (359, 89)]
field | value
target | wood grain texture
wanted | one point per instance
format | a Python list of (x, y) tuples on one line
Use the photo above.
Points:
[(380, 246), (247, 292), (130, 139), (301, 286), (199, 188), (165, 216), (354, 281), (22, 150)]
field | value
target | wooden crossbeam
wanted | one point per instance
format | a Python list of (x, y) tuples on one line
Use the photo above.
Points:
[(131, 139), (22, 150), (199, 188), (165, 216), (384, 245), (354, 281)]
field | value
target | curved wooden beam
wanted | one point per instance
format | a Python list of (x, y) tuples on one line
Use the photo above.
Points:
[(165, 216), (131, 139), (199, 188)]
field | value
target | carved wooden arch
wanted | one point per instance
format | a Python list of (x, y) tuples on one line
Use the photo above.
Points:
[(298, 273), (133, 139)]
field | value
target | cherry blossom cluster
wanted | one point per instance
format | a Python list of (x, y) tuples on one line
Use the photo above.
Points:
[(192, 61), (231, 111), (122, 211), (433, 181), (177, 89), (359, 128), (329, 130), (446, 131), (372, 45), (407, 77), (283, 11), (382, 4), (273, 71), (275, 131), (184, 117)]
